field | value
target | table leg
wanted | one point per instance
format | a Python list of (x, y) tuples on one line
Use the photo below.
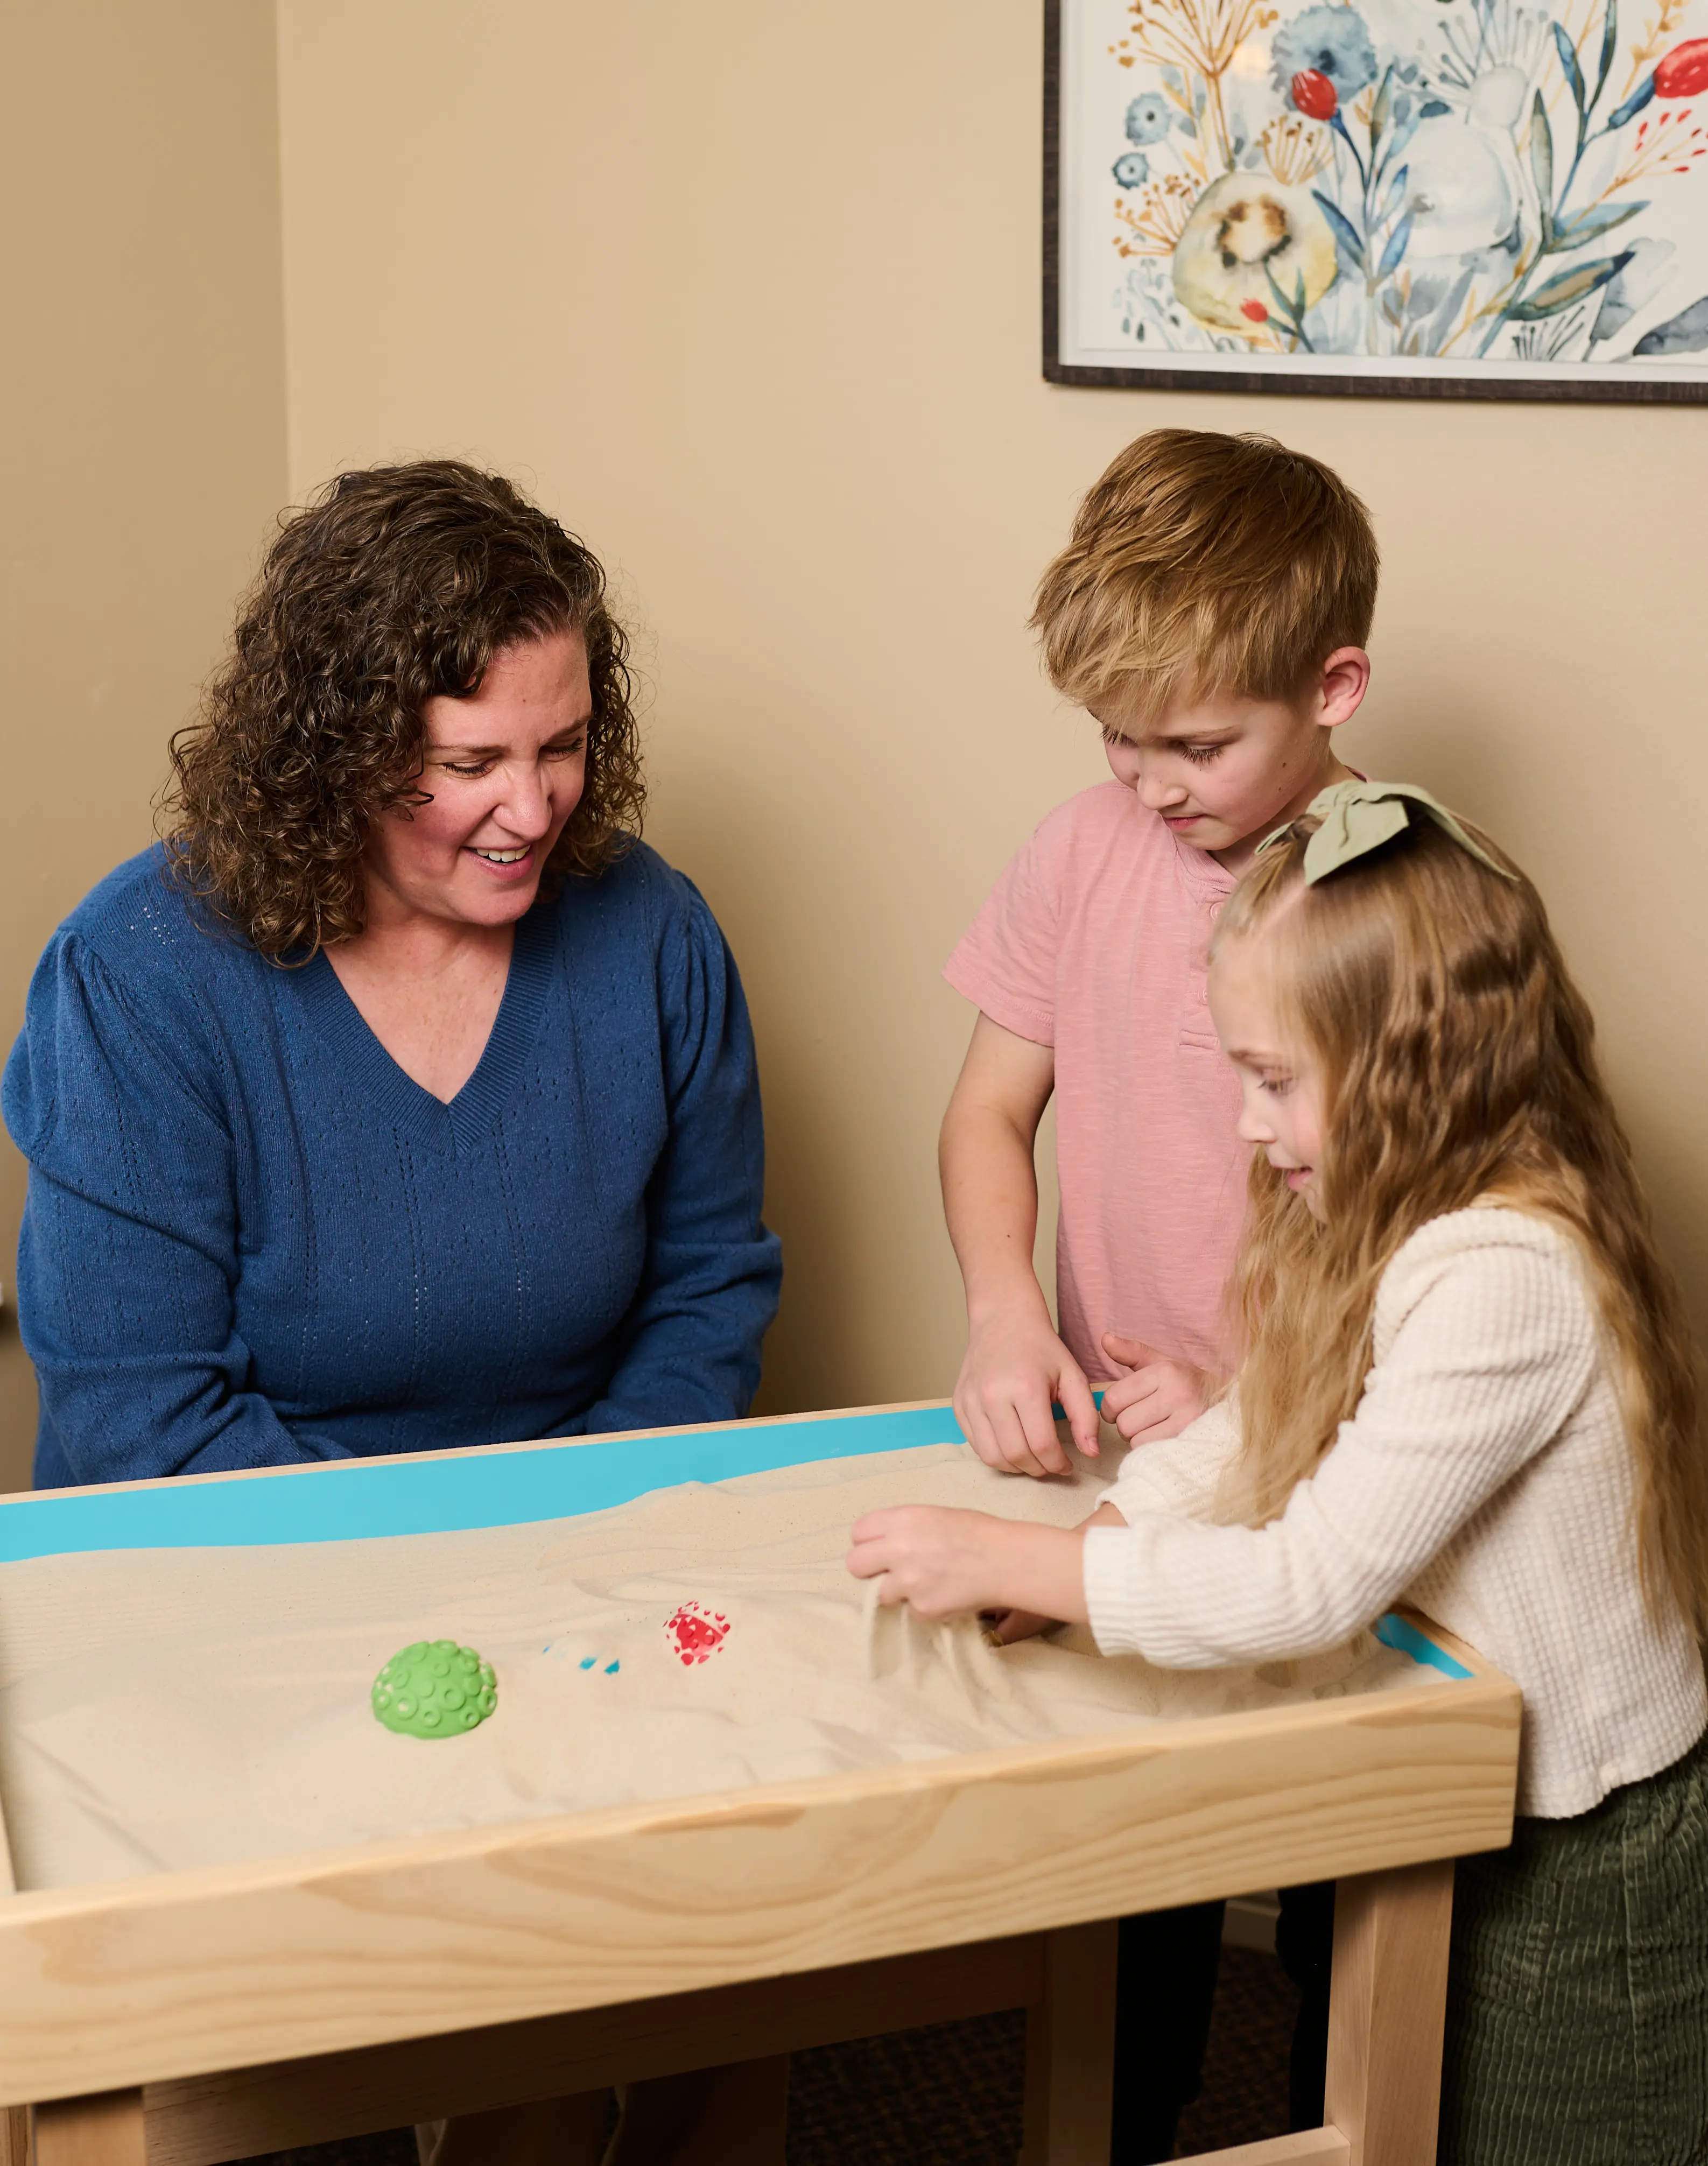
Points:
[(735, 2115), (1387, 2013), (1070, 2050), (106, 2130), (561, 2131), (14, 2136)]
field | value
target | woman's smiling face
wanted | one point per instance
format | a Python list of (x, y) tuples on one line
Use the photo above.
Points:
[(503, 770), (1279, 1078)]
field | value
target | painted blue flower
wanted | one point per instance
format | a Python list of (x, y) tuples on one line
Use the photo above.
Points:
[(1331, 41), (1148, 118), (1132, 169)]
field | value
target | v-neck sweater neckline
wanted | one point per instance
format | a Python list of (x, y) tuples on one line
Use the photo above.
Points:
[(396, 1097)]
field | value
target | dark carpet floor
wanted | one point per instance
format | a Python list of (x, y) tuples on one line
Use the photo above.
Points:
[(951, 2095)]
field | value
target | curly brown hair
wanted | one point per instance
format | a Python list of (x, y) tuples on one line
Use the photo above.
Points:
[(394, 585)]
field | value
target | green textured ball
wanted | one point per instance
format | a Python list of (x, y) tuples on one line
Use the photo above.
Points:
[(435, 1689)]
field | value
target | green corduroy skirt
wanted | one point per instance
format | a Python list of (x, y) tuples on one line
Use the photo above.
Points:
[(1578, 1995)]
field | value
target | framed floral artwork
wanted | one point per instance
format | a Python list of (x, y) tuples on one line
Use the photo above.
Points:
[(1464, 198)]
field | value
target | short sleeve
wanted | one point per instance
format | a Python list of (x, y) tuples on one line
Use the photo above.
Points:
[(1005, 963)]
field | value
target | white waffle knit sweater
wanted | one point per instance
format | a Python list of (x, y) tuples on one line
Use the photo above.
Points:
[(1484, 1477)]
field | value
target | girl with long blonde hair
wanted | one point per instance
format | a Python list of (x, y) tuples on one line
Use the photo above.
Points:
[(1467, 1383)]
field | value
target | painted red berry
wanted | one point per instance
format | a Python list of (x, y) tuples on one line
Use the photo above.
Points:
[(1254, 312), (1315, 95), (1684, 70)]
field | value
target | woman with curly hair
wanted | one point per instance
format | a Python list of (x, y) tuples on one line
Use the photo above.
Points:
[(402, 1098)]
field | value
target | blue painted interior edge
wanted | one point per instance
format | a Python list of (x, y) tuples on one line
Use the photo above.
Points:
[(353, 1500), (1060, 1412), (1406, 1639)]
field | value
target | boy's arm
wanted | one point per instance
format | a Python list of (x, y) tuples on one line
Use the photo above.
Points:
[(1015, 1365)]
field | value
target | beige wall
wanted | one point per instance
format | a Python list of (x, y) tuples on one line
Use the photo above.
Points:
[(749, 294), (141, 441)]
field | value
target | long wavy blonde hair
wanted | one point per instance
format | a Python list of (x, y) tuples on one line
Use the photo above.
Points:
[(1458, 1061)]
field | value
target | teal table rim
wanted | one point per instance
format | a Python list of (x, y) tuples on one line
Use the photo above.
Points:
[(352, 1500), (1404, 1636)]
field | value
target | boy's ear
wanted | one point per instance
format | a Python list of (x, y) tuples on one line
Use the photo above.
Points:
[(1341, 690)]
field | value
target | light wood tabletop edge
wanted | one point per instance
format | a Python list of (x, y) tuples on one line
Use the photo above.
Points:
[(185, 1974), (1486, 1696)]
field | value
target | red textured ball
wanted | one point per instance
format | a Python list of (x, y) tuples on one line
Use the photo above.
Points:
[(1684, 70), (1316, 97)]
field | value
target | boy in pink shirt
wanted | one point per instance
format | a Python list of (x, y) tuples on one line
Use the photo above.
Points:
[(1210, 611)]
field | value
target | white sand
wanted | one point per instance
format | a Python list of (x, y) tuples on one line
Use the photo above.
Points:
[(174, 1708)]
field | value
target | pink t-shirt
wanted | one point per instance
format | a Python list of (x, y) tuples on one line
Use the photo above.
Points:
[(1094, 941)]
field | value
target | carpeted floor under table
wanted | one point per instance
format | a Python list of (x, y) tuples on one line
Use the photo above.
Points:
[(951, 2095)]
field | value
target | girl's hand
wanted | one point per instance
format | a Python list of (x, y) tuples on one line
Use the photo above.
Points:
[(942, 1562), (1011, 1624), (1014, 1371), (1157, 1397)]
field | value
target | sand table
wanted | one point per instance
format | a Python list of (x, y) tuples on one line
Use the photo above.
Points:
[(164, 1708)]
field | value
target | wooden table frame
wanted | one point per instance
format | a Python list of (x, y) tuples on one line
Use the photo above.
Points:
[(184, 2018)]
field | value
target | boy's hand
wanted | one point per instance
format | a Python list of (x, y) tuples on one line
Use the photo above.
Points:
[(1157, 1397), (1014, 1370), (942, 1563)]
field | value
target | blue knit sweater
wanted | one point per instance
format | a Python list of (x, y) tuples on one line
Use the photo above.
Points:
[(251, 1241)]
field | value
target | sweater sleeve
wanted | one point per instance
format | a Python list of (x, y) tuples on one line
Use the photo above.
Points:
[(1183, 1474), (1489, 1359), (129, 1252), (689, 1348)]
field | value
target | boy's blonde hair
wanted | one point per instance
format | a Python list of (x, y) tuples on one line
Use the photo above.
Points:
[(1200, 564), (1457, 1061)]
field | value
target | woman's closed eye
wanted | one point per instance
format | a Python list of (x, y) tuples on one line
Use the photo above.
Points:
[(473, 769)]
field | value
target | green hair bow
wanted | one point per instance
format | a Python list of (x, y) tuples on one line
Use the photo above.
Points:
[(1358, 817)]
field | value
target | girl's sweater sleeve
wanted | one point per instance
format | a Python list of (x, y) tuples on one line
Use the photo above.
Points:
[(1495, 1345), (129, 1253), (689, 1348), (1183, 1474)]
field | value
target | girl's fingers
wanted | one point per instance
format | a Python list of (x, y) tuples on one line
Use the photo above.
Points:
[(1120, 1394), (1134, 1392), (1130, 1352)]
